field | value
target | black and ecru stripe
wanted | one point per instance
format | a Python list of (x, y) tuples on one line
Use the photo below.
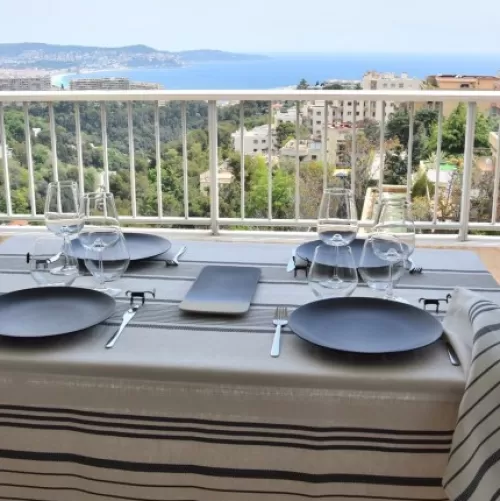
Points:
[(474, 463)]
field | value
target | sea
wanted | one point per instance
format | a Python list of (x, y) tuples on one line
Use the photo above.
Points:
[(283, 70)]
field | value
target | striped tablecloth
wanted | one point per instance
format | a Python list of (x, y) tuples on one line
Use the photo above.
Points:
[(188, 408)]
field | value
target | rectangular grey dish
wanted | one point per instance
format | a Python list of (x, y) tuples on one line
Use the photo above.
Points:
[(222, 290)]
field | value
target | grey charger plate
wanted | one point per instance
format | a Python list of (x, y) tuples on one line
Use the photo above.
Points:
[(306, 253), (226, 290), (52, 311), (365, 325), (140, 246)]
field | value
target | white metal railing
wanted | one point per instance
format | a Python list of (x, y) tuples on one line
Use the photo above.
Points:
[(462, 227)]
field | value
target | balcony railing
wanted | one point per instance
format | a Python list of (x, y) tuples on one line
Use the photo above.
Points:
[(214, 221)]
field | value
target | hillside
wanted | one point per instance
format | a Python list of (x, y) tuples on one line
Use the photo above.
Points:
[(76, 57)]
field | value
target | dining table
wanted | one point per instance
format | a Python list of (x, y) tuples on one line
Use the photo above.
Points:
[(193, 407)]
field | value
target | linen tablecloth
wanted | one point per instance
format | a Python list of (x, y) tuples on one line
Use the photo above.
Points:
[(189, 408), (473, 326)]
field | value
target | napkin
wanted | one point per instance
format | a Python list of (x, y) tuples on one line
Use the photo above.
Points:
[(472, 325)]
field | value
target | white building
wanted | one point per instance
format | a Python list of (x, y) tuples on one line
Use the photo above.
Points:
[(28, 82), (289, 116), (312, 150), (373, 80), (225, 176), (255, 141)]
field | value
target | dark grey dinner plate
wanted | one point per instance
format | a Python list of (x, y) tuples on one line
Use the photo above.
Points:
[(52, 311), (306, 252), (365, 325), (140, 246)]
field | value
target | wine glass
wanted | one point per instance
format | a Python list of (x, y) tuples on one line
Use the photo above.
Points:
[(46, 260), (106, 258), (333, 272), (377, 273), (337, 218), (63, 217), (100, 219), (103, 239), (394, 233)]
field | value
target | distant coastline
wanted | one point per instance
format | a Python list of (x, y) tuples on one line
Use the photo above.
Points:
[(279, 72), (59, 79)]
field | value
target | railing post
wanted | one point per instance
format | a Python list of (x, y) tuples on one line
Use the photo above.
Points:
[(382, 154), (3, 146), (297, 161), (213, 166), (409, 172), (242, 158), (438, 161), (104, 140), (185, 164), (354, 148), (494, 210), (467, 175), (79, 152), (324, 146), (29, 159), (53, 142)]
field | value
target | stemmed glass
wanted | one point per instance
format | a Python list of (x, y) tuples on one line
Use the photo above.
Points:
[(393, 237), (46, 260), (64, 218), (107, 263), (106, 252), (378, 274), (333, 272), (337, 219)]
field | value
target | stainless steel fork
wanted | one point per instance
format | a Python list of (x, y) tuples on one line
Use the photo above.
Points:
[(280, 320)]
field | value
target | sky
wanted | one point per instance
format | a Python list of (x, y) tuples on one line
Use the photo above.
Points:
[(259, 26)]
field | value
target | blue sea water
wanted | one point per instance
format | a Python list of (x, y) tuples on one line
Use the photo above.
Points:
[(283, 70)]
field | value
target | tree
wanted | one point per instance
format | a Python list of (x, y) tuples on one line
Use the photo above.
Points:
[(284, 131), (454, 127), (395, 164), (303, 85), (282, 191)]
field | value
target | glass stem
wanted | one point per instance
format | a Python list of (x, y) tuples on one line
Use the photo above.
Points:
[(65, 251), (335, 268), (102, 281), (390, 287)]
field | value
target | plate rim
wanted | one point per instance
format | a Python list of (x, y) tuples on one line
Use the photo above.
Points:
[(125, 233), (110, 310), (367, 352)]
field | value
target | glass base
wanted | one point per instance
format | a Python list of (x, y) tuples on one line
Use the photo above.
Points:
[(108, 290), (65, 270), (397, 299)]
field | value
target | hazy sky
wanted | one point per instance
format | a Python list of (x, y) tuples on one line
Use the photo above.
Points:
[(259, 25)]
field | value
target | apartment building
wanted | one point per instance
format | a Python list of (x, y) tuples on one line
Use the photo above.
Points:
[(288, 116), (373, 80), (311, 150), (145, 86), (349, 111), (464, 82), (115, 83), (255, 141), (26, 83)]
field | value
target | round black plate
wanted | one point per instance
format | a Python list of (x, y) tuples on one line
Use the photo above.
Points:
[(306, 252), (365, 325), (140, 246), (52, 311)]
